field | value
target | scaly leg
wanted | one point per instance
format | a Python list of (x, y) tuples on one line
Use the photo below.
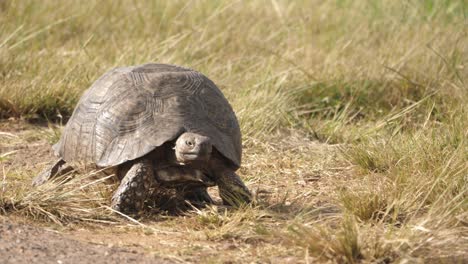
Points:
[(231, 188), (134, 188)]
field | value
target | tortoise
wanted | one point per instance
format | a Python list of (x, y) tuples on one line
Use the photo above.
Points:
[(155, 123)]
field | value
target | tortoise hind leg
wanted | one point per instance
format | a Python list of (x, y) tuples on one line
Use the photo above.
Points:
[(59, 168), (134, 188)]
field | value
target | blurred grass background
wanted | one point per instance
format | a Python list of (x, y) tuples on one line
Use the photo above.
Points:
[(386, 80), (314, 59)]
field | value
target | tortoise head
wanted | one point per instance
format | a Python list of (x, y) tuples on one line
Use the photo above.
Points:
[(192, 147)]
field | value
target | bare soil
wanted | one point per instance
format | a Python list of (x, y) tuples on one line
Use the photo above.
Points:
[(28, 244)]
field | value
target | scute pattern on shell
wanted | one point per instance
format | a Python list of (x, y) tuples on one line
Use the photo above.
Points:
[(130, 111)]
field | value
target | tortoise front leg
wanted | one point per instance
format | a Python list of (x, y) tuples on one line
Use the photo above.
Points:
[(231, 188), (134, 188), (59, 168)]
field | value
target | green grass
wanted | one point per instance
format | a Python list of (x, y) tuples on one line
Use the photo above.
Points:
[(370, 95)]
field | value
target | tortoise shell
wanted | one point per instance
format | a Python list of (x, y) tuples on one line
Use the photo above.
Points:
[(130, 111)]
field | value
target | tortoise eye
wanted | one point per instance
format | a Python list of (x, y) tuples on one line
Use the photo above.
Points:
[(190, 143)]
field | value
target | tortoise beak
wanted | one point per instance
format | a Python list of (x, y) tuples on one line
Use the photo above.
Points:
[(199, 153)]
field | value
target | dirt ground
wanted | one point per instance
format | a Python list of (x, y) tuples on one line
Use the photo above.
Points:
[(28, 244)]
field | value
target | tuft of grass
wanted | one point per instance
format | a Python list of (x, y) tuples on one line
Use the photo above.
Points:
[(69, 199), (342, 245)]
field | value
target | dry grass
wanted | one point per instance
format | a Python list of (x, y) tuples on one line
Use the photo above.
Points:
[(354, 117), (77, 198)]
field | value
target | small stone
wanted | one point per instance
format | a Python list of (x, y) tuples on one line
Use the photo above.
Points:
[(301, 182)]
